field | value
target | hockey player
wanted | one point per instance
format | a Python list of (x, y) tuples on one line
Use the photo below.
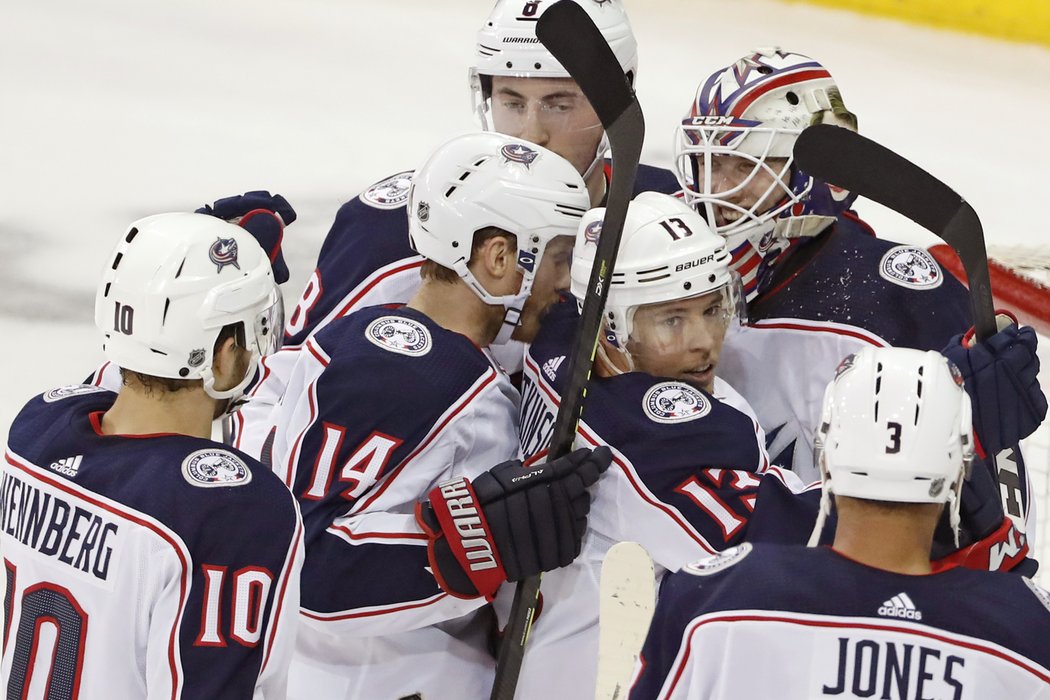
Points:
[(518, 89), (689, 456), (137, 564), (392, 403), (819, 284), (867, 617)]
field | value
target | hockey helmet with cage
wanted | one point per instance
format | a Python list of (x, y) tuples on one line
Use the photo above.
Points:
[(173, 282), (895, 426), (667, 252), (754, 110), (483, 180)]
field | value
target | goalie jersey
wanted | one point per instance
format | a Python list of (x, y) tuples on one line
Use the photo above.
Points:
[(381, 407), (724, 627), (830, 297), (366, 260), (688, 468), (161, 566)]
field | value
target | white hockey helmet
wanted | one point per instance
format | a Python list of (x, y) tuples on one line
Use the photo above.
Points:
[(667, 252), (896, 426), (173, 282), (755, 109), (482, 180), (507, 44)]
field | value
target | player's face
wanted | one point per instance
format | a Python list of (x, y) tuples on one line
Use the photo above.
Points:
[(744, 184), (551, 278), (681, 339), (551, 112)]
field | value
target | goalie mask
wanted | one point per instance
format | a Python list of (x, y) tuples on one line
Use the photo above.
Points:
[(173, 282), (667, 252), (733, 153), (896, 426), (507, 46), (486, 180)]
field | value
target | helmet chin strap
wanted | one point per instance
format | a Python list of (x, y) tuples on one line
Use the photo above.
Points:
[(513, 304)]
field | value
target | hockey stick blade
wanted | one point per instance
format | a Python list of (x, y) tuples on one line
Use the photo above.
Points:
[(628, 598), (846, 159), (571, 36)]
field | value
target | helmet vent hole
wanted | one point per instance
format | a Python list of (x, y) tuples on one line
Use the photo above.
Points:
[(131, 235), (106, 292), (449, 191), (178, 273), (164, 316), (765, 70), (792, 98), (116, 260)]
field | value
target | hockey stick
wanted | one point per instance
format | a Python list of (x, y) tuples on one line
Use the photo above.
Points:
[(571, 36), (628, 598), (846, 159)]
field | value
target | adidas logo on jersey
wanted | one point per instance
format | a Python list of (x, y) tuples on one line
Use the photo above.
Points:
[(550, 367), (900, 605), (68, 465)]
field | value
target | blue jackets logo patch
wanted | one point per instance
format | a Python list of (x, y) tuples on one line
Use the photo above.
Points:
[(64, 392), (519, 153), (675, 402), (722, 560), (400, 335), (223, 252), (911, 267), (213, 468), (390, 193)]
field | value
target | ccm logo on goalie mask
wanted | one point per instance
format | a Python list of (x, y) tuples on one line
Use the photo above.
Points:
[(468, 527)]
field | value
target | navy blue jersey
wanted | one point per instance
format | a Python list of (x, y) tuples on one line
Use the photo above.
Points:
[(763, 621), (167, 564), (381, 407)]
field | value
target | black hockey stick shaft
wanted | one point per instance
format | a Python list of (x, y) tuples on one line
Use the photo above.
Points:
[(844, 158), (571, 36)]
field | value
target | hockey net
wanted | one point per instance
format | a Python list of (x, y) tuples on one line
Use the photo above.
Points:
[(1020, 277)]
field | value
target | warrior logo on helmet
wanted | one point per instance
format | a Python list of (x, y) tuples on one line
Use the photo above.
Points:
[(223, 252), (910, 267), (519, 153), (400, 335), (675, 402), (213, 468)]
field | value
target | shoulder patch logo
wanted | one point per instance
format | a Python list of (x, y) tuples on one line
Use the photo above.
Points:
[(718, 562), (64, 392), (215, 467), (911, 267), (399, 334), (390, 193), (1040, 592), (900, 606), (675, 402)]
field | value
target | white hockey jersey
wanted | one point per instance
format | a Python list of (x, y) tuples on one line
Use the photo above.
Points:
[(139, 566), (797, 623), (381, 407)]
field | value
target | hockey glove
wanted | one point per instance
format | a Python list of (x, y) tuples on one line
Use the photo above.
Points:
[(1001, 379), (510, 523), (261, 214)]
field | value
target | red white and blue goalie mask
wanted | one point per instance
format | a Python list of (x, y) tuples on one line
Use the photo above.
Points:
[(733, 156)]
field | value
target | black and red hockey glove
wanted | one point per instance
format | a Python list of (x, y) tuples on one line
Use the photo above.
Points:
[(261, 214), (510, 523)]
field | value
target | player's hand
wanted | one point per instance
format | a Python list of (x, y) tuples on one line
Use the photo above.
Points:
[(1001, 379), (261, 214), (510, 523)]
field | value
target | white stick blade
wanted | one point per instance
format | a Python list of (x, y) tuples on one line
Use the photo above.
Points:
[(628, 597)]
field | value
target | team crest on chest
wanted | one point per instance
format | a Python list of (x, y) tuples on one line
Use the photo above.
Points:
[(722, 560), (213, 468), (64, 392), (675, 402), (390, 193), (911, 267), (399, 334)]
